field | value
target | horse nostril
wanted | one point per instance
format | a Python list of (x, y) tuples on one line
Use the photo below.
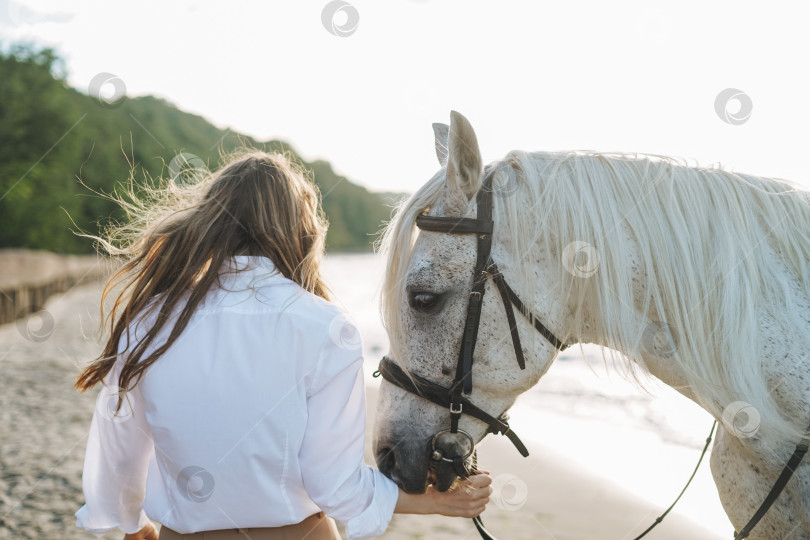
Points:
[(386, 460)]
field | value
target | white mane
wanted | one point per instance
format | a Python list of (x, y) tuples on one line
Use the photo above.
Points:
[(707, 239)]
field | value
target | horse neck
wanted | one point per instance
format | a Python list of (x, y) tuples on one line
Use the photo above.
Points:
[(588, 320)]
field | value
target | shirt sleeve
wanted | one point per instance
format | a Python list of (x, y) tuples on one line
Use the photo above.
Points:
[(116, 461), (331, 456)]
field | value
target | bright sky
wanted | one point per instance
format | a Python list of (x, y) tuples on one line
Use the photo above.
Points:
[(609, 76)]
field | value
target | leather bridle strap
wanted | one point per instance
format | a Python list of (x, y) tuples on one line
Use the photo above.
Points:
[(483, 232), (776, 490), (441, 396), (539, 326), (457, 226), (500, 282)]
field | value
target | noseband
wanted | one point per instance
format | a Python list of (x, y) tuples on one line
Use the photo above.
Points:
[(485, 268)]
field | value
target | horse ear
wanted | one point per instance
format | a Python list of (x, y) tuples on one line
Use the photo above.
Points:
[(464, 164), (440, 133)]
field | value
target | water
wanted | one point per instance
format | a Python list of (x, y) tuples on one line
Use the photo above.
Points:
[(582, 411)]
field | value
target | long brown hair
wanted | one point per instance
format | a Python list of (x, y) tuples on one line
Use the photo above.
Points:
[(178, 236)]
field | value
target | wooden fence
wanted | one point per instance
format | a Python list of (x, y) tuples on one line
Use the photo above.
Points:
[(19, 298)]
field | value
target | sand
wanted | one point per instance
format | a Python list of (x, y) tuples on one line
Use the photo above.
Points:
[(542, 497), (44, 422)]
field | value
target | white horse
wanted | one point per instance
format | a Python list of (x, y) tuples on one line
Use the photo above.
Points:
[(696, 276)]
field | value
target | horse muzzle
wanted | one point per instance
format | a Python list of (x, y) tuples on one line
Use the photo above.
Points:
[(450, 453), (415, 463), (403, 460)]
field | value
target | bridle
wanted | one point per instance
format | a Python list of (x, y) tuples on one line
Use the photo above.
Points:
[(453, 397), (485, 268)]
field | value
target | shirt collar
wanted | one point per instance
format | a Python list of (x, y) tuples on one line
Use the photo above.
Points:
[(248, 268), (244, 261)]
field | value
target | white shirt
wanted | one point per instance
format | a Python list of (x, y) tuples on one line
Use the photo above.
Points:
[(254, 417)]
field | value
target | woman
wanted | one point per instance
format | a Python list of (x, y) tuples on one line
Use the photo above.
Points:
[(233, 397)]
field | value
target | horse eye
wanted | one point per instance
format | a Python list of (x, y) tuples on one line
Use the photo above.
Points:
[(423, 301)]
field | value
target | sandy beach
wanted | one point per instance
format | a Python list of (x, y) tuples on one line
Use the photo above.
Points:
[(44, 427)]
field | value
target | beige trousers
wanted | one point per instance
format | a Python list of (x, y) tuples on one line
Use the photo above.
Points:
[(316, 527)]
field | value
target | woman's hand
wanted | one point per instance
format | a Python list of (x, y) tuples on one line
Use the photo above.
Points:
[(147, 533), (467, 498)]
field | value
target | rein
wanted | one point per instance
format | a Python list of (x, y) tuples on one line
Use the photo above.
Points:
[(453, 396)]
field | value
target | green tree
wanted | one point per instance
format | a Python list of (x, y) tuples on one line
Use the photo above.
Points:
[(54, 139)]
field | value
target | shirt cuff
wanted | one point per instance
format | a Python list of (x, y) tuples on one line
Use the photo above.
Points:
[(98, 528), (375, 519)]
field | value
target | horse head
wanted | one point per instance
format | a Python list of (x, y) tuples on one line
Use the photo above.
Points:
[(425, 305)]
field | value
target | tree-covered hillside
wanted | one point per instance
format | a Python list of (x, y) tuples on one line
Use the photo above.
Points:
[(52, 135)]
